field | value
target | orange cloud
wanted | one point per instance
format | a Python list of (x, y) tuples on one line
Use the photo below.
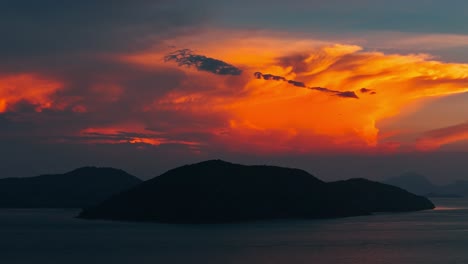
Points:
[(436, 138), (28, 87), (274, 116)]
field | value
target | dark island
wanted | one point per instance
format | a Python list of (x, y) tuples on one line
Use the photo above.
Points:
[(83, 187), (217, 192)]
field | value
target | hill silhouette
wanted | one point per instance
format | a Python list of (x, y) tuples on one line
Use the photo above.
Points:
[(217, 191), (419, 184), (83, 187), (457, 188), (413, 182)]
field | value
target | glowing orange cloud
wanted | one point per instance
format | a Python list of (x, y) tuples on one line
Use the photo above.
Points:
[(442, 136), (267, 116), (27, 87)]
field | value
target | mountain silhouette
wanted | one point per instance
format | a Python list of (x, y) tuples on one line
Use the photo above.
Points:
[(83, 187), (217, 191), (419, 184), (413, 182), (457, 188)]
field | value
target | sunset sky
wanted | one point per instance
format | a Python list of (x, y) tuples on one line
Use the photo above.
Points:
[(353, 88)]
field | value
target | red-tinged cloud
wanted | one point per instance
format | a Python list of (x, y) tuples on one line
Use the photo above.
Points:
[(434, 139), (291, 96), (124, 135), (186, 57), (269, 116), (29, 88)]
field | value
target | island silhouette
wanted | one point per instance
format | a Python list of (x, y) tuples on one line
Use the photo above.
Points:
[(83, 187), (217, 191)]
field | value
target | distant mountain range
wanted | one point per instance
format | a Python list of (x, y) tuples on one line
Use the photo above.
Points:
[(419, 184), (79, 188), (217, 191)]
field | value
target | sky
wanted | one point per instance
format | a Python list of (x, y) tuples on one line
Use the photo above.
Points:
[(342, 89)]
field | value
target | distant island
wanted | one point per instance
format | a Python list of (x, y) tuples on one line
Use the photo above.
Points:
[(83, 187), (419, 184), (218, 192)]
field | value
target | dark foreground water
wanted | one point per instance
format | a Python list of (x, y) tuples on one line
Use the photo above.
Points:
[(54, 236)]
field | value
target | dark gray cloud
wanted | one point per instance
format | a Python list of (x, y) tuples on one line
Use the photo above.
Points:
[(259, 75), (53, 27), (298, 84), (344, 94), (367, 90), (186, 57), (345, 16), (349, 94)]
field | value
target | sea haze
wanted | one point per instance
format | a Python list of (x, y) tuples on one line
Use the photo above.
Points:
[(55, 236)]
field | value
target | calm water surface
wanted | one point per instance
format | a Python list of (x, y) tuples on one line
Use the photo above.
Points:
[(54, 236)]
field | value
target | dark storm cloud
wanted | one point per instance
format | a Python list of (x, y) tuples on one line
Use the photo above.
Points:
[(344, 94), (186, 57)]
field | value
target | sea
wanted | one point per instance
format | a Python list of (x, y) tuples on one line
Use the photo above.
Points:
[(440, 236)]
